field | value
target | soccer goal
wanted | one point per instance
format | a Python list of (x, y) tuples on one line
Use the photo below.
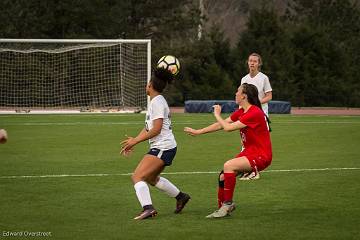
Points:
[(79, 75)]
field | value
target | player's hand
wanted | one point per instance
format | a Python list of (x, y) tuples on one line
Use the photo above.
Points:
[(191, 131), (126, 153), (3, 136), (217, 109), (127, 146)]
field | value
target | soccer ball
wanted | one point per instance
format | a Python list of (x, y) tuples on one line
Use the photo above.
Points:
[(170, 63)]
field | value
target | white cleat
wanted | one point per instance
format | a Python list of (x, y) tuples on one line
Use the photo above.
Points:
[(224, 211), (250, 176)]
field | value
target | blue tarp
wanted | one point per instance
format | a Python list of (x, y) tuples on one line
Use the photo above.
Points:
[(229, 106)]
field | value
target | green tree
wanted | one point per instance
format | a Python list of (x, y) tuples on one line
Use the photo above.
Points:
[(205, 72), (326, 39), (171, 25), (266, 35), (165, 22), (316, 68)]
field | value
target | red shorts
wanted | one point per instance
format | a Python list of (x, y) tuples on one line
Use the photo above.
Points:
[(258, 162)]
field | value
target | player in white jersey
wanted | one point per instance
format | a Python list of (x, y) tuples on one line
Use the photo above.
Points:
[(260, 80), (262, 83), (162, 148)]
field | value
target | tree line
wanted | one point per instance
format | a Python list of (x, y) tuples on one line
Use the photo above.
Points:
[(310, 51)]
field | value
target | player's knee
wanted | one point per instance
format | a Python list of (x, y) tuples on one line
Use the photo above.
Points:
[(133, 178), (221, 179), (137, 178), (221, 175), (227, 166)]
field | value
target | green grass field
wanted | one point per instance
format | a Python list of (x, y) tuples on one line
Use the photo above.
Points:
[(78, 187)]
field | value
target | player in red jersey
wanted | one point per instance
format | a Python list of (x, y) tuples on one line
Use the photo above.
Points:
[(257, 152)]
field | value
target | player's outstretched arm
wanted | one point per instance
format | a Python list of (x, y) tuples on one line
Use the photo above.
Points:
[(211, 128)]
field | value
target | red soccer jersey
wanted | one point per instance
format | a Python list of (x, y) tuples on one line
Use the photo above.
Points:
[(256, 136)]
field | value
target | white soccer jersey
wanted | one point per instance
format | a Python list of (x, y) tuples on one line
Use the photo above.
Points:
[(158, 108), (261, 81)]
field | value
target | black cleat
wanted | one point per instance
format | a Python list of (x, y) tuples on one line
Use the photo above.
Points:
[(181, 202)]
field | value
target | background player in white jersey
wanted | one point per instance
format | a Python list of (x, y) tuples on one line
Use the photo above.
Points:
[(260, 80), (162, 148), (262, 83)]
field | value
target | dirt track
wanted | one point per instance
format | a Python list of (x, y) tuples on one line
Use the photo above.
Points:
[(306, 111), (325, 111)]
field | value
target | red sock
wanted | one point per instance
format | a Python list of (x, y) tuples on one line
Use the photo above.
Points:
[(220, 196), (229, 186)]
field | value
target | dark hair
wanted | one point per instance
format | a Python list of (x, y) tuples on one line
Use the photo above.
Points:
[(160, 78), (252, 94)]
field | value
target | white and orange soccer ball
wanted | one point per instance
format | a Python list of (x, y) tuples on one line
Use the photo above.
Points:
[(3, 136), (170, 63)]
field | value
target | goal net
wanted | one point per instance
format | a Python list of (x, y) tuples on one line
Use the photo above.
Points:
[(84, 75)]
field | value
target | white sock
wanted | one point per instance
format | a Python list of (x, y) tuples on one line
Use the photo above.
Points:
[(143, 193), (166, 186)]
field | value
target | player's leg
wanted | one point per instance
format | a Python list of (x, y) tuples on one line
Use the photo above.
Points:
[(148, 167), (231, 168), (164, 184), (171, 190), (221, 189)]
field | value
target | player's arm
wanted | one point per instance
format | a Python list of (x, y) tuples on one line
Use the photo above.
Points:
[(227, 126), (154, 131), (144, 135), (266, 98), (211, 128)]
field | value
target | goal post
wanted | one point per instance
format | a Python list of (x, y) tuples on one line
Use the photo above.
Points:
[(74, 74)]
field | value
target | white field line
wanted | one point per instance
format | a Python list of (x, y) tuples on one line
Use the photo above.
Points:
[(174, 122), (171, 173)]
